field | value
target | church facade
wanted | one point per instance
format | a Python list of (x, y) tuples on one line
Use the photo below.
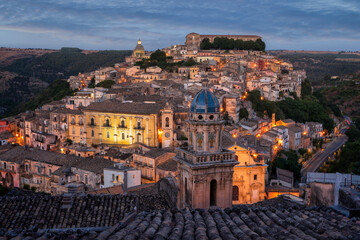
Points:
[(205, 169)]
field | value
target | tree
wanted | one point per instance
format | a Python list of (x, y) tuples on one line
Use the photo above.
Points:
[(243, 113), (92, 83), (205, 44), (288, 160), (106, 84), (159, 56), (306, 89)]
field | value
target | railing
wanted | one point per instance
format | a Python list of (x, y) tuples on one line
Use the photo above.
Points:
[(107, 125), (199, 158), (91, 125), (122, 126)]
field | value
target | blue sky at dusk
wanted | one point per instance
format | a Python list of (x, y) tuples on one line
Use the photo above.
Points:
[(117, 24)]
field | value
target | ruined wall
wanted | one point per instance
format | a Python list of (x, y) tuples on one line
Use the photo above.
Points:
[(322, 194)]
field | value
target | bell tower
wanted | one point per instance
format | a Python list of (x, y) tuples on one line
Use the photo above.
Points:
[(205, 170), (167, 126)]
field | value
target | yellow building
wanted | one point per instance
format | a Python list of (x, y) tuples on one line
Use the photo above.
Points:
[(139, 51), (249, 177), (113, 122), (76, 127)]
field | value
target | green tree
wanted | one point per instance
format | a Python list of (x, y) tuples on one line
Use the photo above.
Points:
[(306, 89), (106, 84), (243, 113), (287, 160), (159, 56), (92, 83), (205, 44)]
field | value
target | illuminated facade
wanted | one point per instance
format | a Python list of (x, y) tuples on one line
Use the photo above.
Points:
[(125, 123), (249, 177), (139, 51)]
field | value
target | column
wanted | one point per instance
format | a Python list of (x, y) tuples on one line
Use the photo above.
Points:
[(131, 131), (100, 133), (206, 138), (115, 127), (147, 131)]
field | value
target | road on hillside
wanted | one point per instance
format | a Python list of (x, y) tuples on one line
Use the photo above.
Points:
[(313, 164)]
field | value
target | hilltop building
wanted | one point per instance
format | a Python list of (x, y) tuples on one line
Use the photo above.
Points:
[(193, 40)]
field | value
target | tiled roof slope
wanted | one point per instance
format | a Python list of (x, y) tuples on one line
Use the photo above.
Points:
[(85, 211), (241, 222)]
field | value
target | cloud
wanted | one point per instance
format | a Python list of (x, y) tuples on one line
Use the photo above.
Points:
[(118, 24)]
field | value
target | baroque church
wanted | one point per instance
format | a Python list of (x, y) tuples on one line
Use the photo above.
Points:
[(205, 169)]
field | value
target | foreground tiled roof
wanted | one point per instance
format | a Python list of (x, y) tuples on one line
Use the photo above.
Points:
[(45, 211), (243, 222)]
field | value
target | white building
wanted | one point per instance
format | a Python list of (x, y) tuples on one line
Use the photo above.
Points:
[(120, 174)]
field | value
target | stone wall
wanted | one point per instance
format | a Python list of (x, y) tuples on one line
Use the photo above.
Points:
[(322, 194)]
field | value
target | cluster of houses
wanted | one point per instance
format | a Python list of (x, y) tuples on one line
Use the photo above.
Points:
[(126, 135)]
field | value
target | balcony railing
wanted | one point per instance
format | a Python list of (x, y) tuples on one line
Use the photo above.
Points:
[(139, 128), (91, 125), (122, 126)]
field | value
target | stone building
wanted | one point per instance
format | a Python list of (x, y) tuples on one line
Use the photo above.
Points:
[(193, 40), (139, 50), (205, 169), (113, 122)]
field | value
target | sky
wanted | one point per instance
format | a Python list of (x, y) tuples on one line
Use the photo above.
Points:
[(118, 24)]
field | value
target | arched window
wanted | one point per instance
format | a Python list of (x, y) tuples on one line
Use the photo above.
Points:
[(123, 135), (167, 122), (107, 134), (138, 138), (107, 122), (235, 193), (123, 123), (92, 121), (213, 186), (138, 125), (92, 133)]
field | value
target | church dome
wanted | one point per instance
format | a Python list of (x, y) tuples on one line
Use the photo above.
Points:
[(205, 102), (139, 46)]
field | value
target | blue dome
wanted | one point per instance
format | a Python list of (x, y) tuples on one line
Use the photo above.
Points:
[(205, 102)]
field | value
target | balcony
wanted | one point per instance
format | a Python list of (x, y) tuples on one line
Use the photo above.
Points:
[(122, 126), (72, 122), (107, 125), (81, 123), (139, 128), (91, 125)]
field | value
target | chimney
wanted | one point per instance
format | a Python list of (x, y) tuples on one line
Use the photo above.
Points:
[(125, 181)]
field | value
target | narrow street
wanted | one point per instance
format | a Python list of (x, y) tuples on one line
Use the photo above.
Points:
[(313, 164)]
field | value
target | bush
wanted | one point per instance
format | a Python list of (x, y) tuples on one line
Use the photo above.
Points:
[(26, 187)]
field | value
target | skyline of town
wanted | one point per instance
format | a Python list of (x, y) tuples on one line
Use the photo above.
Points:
[(304, 25)]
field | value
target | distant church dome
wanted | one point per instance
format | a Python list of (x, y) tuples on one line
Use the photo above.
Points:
[(139, 50), (205, 102)]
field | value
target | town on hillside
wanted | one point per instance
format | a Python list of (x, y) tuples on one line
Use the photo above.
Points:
[(197, 125)]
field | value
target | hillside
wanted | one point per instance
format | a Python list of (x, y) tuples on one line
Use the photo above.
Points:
[(320, 65), (26, 76)]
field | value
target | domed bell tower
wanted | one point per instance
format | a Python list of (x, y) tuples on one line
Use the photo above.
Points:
[(167, 126), (205, 169)]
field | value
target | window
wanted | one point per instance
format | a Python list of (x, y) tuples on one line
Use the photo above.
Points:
[(138, 125), (86, 179), (13, 168), (123, 136), (235, 193), (107, 134), (92, 133), (167, 122), (5, 165), (73, 131), (26, 168), (113, 177), (50, 172), (107, 123), (81, 131), (255, 177), (92, 121), (122, 123)]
